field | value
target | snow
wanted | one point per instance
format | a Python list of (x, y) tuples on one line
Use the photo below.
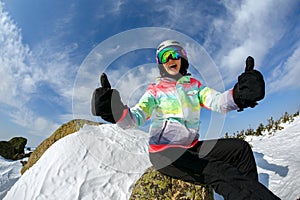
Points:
[(9, 174), (104, 162), (278, 160), (98, 162)]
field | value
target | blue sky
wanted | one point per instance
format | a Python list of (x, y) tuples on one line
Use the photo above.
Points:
[(52, 52)]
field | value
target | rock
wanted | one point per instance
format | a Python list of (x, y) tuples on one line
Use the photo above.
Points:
[(6, 150), (19, 144), (154, 185), (64, 130), (13, 149), (23, 162)]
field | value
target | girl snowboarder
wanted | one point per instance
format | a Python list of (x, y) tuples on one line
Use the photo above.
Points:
[(173, 103)]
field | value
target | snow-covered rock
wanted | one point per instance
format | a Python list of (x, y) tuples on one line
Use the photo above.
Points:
[(97, 162)]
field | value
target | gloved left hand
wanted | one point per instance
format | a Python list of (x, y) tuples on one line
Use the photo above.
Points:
[(106, 102), (250, 87)]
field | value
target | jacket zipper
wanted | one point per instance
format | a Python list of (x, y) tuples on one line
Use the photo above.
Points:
[(179, 100), (162, 131)]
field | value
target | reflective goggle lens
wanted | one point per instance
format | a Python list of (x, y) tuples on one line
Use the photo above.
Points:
[(168, 53)]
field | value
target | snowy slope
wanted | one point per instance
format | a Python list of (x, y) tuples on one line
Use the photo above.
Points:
[(9, 174), (278, 160), (103, 162)]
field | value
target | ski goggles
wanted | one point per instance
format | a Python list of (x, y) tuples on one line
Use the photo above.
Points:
[(168, 53)]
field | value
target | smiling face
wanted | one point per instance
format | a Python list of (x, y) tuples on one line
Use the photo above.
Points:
[(172, 66)]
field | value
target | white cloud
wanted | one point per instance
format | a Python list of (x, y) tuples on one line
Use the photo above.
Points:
[(287, 74), (15, 74), (232, 30), (22, 72), (191, 17), (59, 27), (53, 65), (250, 28), (37, 125), (109, 8)]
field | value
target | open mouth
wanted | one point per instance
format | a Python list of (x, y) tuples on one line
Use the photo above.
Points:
[(173, 66)]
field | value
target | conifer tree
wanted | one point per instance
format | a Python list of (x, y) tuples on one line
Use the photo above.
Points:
[(270, 125), (260, 129)]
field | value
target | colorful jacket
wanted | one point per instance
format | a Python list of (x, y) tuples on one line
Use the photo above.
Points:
[(174, 109)]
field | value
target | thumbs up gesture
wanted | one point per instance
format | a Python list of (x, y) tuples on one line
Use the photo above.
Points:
[(250, 87), (106, 102)]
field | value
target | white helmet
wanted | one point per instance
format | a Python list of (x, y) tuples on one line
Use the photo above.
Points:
[(168, 43)]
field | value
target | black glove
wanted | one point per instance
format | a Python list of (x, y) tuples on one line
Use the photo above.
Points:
[(250, 87), (106, 102)]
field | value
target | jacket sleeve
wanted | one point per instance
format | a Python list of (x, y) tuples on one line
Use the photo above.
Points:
[(217, 101), (138, 115)]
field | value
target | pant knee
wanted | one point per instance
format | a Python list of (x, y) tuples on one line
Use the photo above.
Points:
[(242, 145), (247, 147)]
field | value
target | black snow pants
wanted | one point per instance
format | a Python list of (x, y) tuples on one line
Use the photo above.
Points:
[(227, 165)]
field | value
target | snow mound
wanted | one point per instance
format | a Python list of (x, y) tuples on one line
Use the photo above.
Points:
[(97, 162)]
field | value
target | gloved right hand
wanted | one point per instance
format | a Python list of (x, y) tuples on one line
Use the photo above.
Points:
[(106, 102)]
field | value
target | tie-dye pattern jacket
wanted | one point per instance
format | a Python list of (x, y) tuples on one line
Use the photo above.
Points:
[(174, 109)]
